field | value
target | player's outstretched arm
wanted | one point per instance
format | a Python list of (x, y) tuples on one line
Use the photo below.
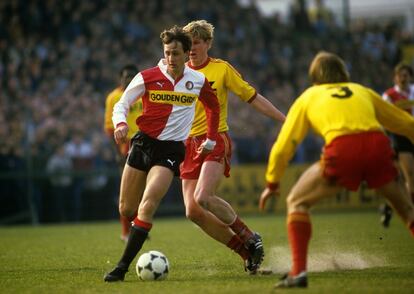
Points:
[(264, 106)]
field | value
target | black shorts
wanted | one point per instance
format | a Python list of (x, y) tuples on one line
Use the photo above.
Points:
[(402, 144), (146, 152)]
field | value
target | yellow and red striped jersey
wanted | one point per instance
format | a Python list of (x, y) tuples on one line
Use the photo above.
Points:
[(334, 110), (222, 78)]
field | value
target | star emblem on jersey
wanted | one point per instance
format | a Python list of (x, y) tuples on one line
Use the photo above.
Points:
[(211, 85), (171, 162), (189, 85)]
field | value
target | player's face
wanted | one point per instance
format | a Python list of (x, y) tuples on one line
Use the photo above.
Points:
[(403, 79), (126, 78), (199, 49), (175, 58)]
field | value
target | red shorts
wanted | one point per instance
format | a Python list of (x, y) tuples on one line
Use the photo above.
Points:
[(191, 166), (348, 160)]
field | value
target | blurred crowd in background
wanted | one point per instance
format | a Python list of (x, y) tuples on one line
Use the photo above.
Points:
[(60, 59)]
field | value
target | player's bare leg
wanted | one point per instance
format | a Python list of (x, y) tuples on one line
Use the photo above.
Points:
[(133, 183), (125, 227), (125, 221), (406, 161), (209, 223), (396, 194), (204, 195), (129, 197), (157, 183), (310, 188), (386, 209)]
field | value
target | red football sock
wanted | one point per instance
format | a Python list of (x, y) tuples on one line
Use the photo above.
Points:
[(125, 225), (412, 228), (237, 245), (141, 224), (241, 229), (299, 233)]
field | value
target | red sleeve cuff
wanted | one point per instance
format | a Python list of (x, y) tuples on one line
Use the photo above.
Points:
[(121, 124), (272, 186), (252, 98)]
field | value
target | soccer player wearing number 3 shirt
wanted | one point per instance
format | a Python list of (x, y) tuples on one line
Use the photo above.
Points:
[(201, 174), (169, 95), (351, 119)]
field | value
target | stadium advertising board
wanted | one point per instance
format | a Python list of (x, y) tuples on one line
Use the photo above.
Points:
[(246, 182)]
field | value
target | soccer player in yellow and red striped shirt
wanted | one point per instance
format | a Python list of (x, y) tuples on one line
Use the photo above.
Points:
[(201, 174), (127, 73), (351, 119)]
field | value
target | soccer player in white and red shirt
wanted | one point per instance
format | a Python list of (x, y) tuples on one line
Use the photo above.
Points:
[(169, 95), (201, 174), (402, 96)]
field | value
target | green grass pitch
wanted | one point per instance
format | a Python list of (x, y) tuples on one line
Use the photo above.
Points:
[(349, 253)]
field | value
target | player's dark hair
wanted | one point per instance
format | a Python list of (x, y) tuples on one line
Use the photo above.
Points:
[(129, 67), (327, 68), (176, 34), (403, 66)]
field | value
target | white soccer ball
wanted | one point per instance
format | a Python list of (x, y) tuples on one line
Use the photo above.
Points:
[(152, 265)]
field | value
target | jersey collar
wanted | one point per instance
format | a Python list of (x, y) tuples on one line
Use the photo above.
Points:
[(201, 65)]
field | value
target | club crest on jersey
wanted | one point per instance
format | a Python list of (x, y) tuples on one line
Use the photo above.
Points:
[(171, 97), (189, 85)]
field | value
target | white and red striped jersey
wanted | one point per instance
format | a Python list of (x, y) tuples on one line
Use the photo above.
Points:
[(168, 104), (400, 98)]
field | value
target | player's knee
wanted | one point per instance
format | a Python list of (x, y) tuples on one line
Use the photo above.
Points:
[(296, 204), (126, 211), (202, 200), (194, 213), (201, 197)]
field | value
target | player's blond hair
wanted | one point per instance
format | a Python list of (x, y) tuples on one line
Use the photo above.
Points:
[(200, 29), (328, 68)]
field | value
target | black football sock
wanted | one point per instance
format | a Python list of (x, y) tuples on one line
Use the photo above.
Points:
[(136, 239)]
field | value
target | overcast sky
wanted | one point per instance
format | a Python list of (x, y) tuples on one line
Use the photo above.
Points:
[(358, 7)]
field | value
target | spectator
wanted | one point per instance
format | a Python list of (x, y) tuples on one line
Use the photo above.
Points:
[(79, 150), (57, 60), (299, 15), (58, 168), (321, 18)]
